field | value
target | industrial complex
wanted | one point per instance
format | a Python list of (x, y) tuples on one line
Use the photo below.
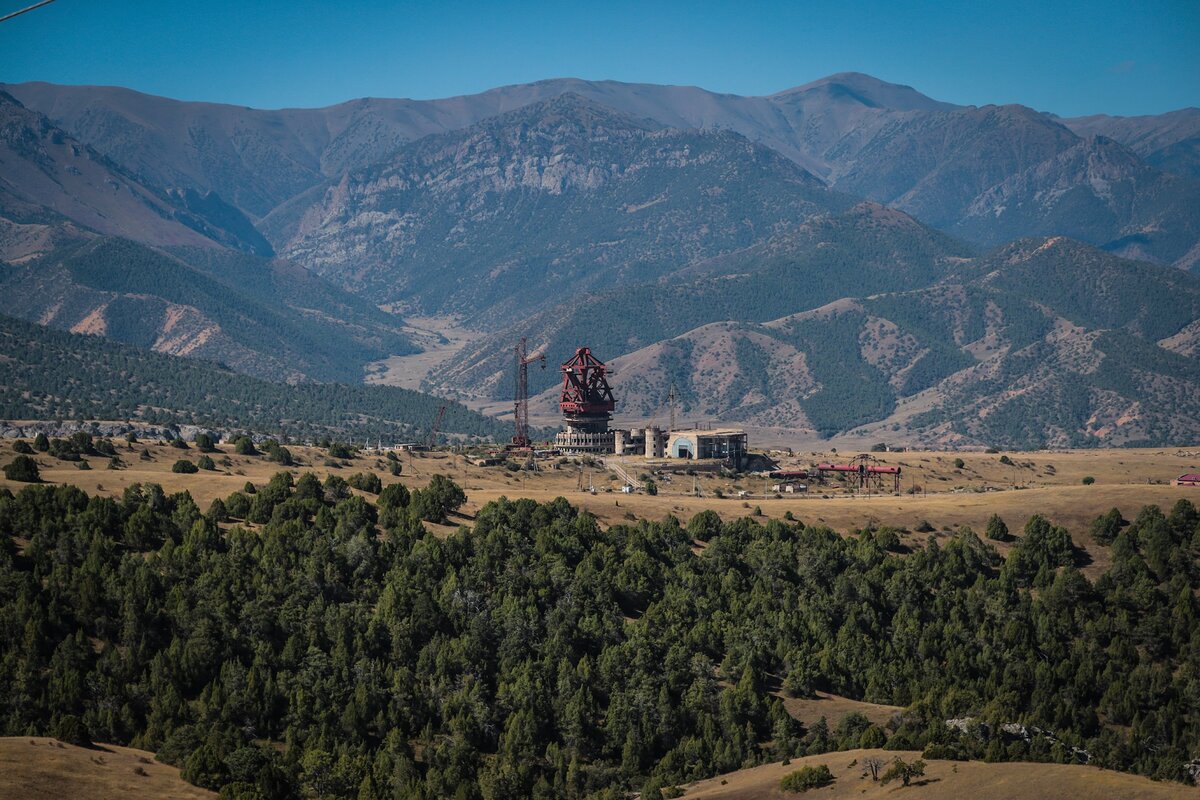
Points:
[(587, 404)]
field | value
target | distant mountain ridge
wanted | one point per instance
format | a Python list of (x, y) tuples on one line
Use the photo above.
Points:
[(885, 142), (563, 195), (836, 257)]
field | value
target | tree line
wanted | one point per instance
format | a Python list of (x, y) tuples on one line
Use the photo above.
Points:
[(300, 639)]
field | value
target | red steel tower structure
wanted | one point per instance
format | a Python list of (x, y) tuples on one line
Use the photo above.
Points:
[(586, 401)]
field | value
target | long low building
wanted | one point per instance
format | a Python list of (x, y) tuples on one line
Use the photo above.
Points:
[(727, 444)]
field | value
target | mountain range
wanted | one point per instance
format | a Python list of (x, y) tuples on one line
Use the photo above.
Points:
[(770, 256)]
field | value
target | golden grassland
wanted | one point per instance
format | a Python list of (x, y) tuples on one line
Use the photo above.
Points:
[(943, 780), (946, 496), (808, 710), (37, 768)]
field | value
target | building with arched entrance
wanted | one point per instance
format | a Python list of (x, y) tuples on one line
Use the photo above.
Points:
[(723, 444)]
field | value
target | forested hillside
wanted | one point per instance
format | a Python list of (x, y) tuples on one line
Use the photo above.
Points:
[(50, 374), (341, 651), (259, 316)]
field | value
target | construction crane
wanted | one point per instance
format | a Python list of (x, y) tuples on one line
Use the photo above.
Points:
[(521, 399), (437, 424)]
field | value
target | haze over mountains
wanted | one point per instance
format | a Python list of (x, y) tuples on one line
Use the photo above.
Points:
[(693, 235)]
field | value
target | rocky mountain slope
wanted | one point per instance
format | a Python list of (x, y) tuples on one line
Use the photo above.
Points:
[(68, 220), (864, 250), (48, 179), (944, 164), (1043, 342), (261, 317), (555, 198), (1168, 141)]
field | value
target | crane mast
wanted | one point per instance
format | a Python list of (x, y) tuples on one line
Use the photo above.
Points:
[(521, 399)]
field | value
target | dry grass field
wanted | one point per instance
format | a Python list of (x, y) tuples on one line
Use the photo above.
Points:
[(809, 710), (46, 769), (1047, 482), (944, 780)]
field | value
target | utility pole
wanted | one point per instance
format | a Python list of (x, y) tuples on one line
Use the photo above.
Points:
[(672, 396)]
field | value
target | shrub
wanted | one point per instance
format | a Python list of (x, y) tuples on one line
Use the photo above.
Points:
[(244, 446), (217, 511), (184, 466), (22, 468), (279, 454), (888, 539), (704, 525), (1088, 480), (1006, 460), (41, 443), (806, 778), (179, 444), (204, 462), (366, 482), (903, 771), (436, 501), (959, 463), (237, 505), (394, 496), (205, 443), (83, 464), (23, 447), (996, 529), (651, 488), (1106, 526), (340, 450), (68, 728)]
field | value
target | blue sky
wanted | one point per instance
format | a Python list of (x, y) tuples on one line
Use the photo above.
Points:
[(1067, 57)]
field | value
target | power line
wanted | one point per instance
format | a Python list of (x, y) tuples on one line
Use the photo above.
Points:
[(7, 17)]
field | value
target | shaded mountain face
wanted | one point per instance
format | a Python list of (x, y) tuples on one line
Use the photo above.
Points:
[(1168, 141), (554, 199), (1046, 342), (1097, 191), (261, 158), (979, 173), (51, 180), (52, 374), (865, 250), (257, 316)]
